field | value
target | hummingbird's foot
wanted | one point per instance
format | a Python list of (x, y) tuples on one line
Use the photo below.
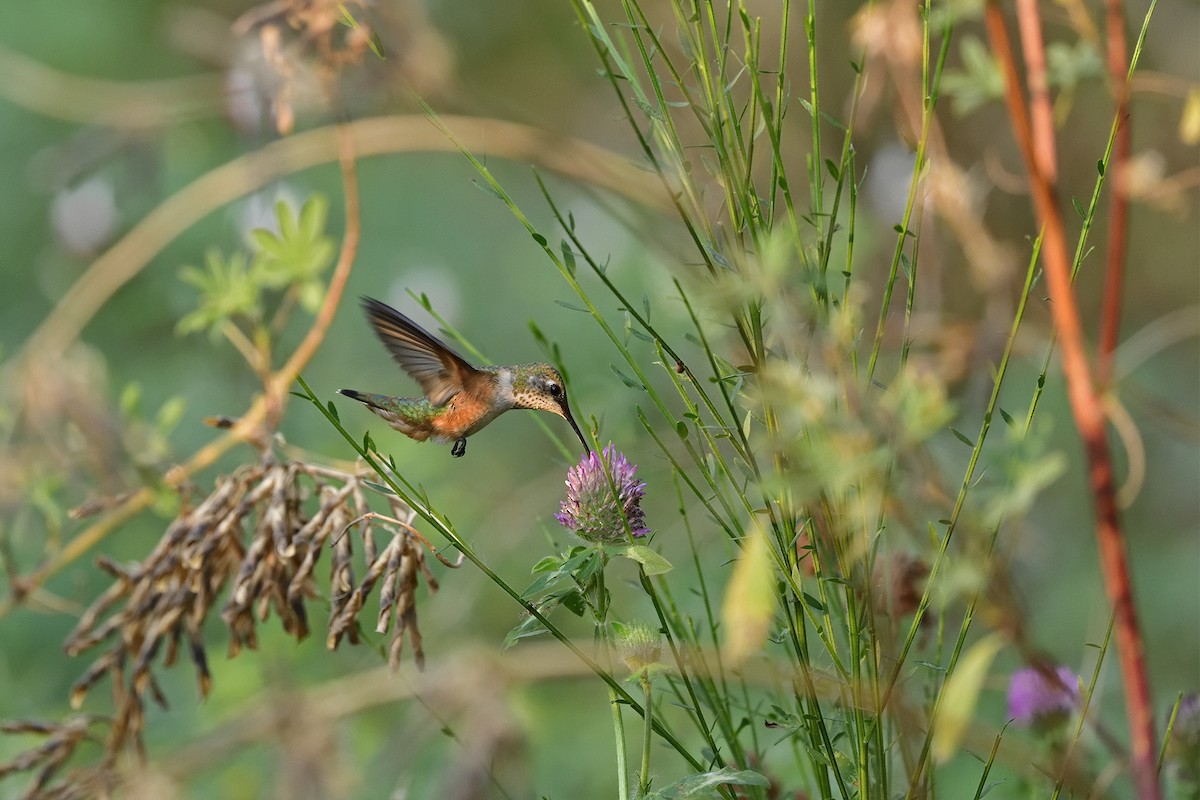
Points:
[(460, 447)]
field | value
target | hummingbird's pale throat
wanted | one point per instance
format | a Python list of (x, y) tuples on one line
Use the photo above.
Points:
[(459, 399)]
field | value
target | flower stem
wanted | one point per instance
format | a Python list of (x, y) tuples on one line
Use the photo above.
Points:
[(600, 615), (644, 776), (619, 732)]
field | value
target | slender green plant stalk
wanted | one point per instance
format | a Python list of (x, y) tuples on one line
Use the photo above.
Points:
[(644, 774)]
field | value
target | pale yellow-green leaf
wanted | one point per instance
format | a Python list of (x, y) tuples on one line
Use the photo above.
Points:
[(311, 295), (131, 397), (170, 414), (653, 563), (749, 601), (1189, 122), (960, 695)]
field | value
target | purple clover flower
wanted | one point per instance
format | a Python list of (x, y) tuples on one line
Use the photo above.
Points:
[(1035, 698), (591, 510)]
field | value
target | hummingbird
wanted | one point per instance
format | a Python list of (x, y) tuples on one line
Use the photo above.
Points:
[(460, 399)]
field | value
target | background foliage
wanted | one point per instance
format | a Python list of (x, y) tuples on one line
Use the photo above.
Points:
[(108, 109)]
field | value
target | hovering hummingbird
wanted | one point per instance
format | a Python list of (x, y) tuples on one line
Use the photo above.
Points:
[(459, 399)]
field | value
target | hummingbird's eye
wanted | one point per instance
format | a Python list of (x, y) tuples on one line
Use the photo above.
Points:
[(555, 389)]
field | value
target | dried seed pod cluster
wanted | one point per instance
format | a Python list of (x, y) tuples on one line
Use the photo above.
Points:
[(260, 535), (61, 741)]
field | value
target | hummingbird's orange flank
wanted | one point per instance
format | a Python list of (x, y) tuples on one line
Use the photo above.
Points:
[(459, 399)]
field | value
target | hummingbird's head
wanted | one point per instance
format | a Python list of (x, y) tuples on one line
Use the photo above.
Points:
[(541, 387)]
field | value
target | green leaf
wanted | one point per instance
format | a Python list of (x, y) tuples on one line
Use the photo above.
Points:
[(653, 563), (169, 415), (299, 252), (227, 291), (538, 336), (311, 294), (333, 412), (637, 334), (487, 188), (962, 437), (568, 257), (287, 220), (131, 397), (373, 40), (539, 589), (585, 566), (979, 82), (529, 626), (546, 565), (573, 601), (650, 111), (1067, 65), (813, 603), (312, 216), (1075, 204), (625, 379), (263, 238)]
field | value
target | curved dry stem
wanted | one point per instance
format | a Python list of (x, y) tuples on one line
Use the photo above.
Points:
[(1157, 335), (375, 136), (1135, 449), (114, 104)]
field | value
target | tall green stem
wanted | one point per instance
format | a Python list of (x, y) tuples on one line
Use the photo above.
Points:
[(644, 776)]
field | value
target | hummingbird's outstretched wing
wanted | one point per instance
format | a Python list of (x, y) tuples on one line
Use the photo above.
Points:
[(441, 372)]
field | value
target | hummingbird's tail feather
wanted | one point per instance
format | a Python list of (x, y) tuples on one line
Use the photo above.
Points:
[(410, 416), (375, 402)]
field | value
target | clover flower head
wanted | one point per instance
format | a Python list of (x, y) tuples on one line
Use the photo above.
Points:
[(1035, 698), (593, 510)]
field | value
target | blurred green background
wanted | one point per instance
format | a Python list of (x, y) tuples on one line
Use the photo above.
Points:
[(74, 183)]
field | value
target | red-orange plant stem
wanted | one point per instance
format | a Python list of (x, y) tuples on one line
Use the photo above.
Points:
[(1118, 209), (1041, 115), (1089, 420)]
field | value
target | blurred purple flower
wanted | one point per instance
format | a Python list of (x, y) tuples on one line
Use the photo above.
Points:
[(1035, 698), (1183, 750), (591, 510)]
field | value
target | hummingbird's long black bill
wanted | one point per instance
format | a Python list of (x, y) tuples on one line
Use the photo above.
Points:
[(567, 416)]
